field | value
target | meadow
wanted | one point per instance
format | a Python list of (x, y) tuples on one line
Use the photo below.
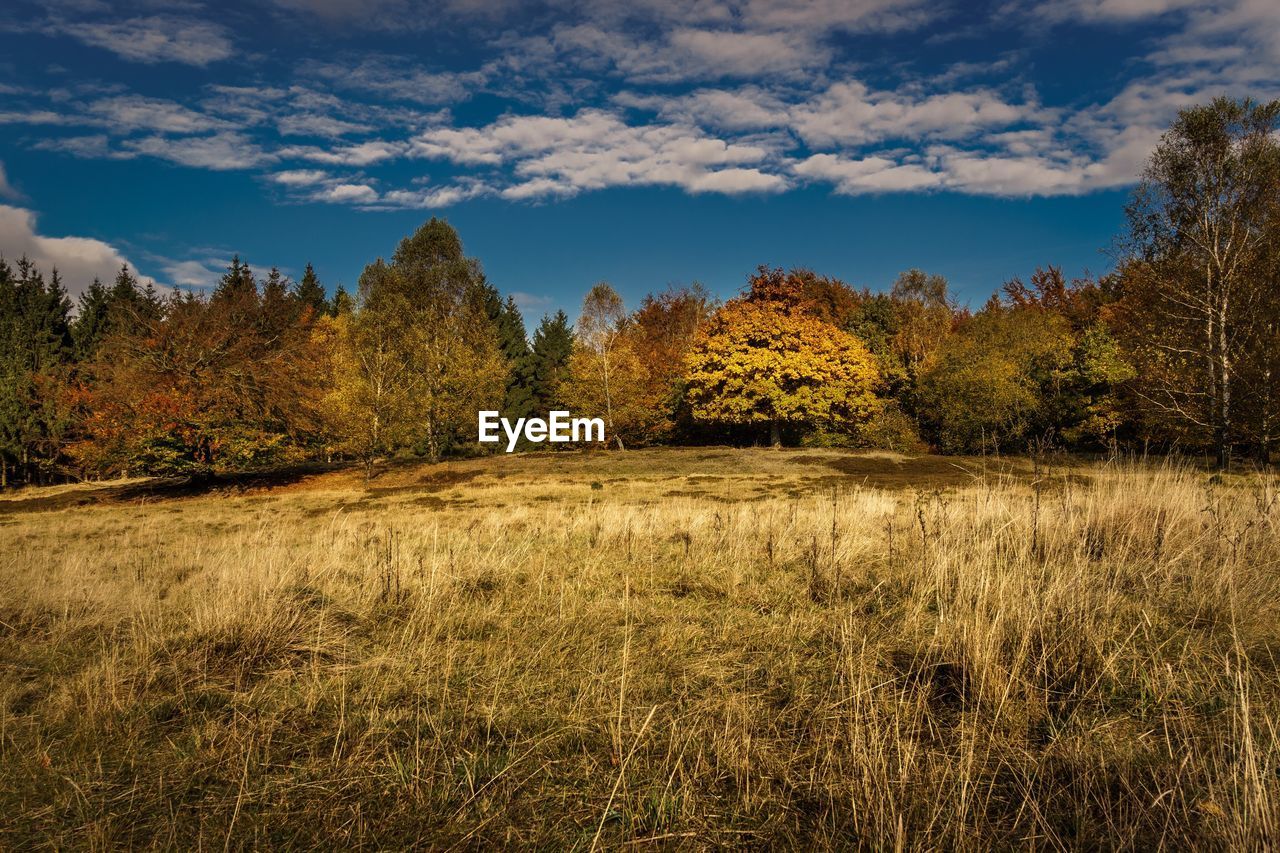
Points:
[(663, 648)]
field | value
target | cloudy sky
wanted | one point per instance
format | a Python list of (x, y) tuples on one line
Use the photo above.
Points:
[(644, 142)]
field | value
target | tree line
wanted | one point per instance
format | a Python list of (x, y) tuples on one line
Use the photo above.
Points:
[(1177, 348)]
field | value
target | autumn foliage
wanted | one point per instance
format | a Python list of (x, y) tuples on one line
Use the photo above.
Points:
[(766, 359), (1179, 348)]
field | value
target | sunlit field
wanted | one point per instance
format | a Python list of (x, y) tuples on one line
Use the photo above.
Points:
[(680, 648)]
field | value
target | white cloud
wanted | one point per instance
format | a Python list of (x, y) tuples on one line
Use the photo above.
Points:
[(596, 149), (397, 79), (7, 189), (531, 301), (316, 124), (738, 54), (159, 38), (300, 177), (774, 103), (1024, 170), (745, 108), (848, 15), (733, 181), (78, 259), (348, 194), (92, 147), (38, 116), (361, 154), (688, 53), (221, 151), (849, 113), (1109, 10), (194, 273), (432, 197), (129, 113), (868, 174)]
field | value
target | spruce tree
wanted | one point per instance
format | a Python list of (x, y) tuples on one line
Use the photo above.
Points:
[(125, 307), (310, 292), (90, 325), (279, 310), (342, 303), (549, 361), (237, 282), (36, 351), (518, 402)]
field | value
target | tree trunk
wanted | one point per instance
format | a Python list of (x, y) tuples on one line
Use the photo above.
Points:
[(433, 445), (1223, 436), (1264, 443), (775, 433), (608, 401)]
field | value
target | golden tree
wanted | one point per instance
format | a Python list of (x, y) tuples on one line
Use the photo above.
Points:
[(419, 356), (759, 362)]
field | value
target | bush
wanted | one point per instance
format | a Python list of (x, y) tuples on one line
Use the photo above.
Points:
[(890, 429)]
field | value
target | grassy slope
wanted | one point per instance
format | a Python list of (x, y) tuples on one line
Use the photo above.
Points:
[(694, 647)]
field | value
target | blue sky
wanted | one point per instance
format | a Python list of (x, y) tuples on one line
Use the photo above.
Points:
[(642, 142)]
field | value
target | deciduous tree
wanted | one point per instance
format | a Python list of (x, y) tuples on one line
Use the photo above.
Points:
[(762, 359), (1198, 228)]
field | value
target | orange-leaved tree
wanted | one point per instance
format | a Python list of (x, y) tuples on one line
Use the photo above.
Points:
[(764, 358)]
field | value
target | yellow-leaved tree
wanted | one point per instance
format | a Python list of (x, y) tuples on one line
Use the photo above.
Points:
[(606, 378), (367, 406), (764, 359), (418, 356)]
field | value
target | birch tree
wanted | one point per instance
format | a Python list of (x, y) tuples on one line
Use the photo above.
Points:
[(1197, 227), (601, 356)]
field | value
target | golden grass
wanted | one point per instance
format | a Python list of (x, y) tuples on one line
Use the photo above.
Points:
[(678, 648)]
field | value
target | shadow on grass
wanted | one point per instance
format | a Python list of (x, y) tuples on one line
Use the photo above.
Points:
[(168, 488)]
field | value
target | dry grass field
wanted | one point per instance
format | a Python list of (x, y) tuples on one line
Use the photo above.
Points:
[(676, 648)]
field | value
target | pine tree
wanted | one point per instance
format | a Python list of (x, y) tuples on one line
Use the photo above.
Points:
[(36, 350), (279, 310), (518, 402), (311, 293), (342, 303), (236, 282), (126, 307), (90, 325), (549, 361)]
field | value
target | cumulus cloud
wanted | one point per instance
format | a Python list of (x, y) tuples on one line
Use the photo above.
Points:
[(78, 259)]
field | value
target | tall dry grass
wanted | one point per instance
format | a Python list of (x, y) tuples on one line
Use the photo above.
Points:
[(1081, 659)]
